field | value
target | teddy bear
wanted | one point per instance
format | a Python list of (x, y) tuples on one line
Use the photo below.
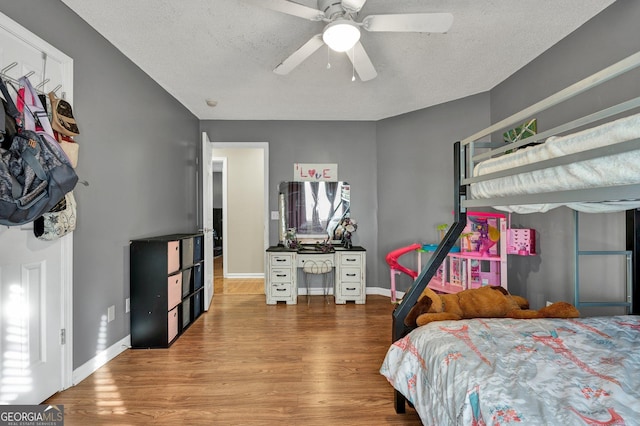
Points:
[(482, 302)]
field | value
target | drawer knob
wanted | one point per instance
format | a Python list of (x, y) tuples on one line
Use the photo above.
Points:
[(281, 289), (351, 288), (281, 275), (351, 275)]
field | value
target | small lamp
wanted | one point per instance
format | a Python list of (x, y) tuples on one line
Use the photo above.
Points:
[(341, 35)]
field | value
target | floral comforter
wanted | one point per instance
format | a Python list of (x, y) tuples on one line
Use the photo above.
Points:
[(528, 372)]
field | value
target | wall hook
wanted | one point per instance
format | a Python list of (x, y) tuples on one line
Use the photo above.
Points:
[(41, 85), (8, 67)]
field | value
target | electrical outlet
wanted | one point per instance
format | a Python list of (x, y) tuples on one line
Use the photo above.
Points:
[(275, 215), (127, 305), (111, 313)]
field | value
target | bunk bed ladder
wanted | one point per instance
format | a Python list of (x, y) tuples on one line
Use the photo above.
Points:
[(633, 244), (576, 276), (399, 329)]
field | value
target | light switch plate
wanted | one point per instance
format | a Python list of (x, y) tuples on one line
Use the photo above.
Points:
[(275, 215)]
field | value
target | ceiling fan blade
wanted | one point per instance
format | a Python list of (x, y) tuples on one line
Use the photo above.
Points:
[(299, 55), (290, 8), (353, 5), (409, 22), (361, 62)]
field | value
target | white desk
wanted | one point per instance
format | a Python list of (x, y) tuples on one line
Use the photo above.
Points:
[(283, 266)]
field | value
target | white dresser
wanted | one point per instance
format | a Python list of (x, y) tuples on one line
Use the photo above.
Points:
[(280, 280), (349, 274), (350, 281)]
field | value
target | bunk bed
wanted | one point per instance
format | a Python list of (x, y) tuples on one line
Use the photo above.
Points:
[(589, 164)]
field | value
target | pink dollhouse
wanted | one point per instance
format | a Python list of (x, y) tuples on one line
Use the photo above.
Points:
[(482, 259)]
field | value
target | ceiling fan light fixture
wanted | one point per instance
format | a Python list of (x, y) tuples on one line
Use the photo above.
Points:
[(341, 35)]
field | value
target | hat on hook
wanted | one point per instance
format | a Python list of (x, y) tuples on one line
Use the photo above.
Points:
[(62, 116)]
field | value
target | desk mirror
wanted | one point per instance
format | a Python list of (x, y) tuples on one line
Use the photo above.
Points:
[(314, 209)]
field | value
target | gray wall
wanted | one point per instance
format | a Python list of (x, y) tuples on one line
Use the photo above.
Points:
[(415, 175), (138, 160), (609, 37), (352, 145)]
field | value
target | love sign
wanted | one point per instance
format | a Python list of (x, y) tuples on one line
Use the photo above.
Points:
[(304, 172)]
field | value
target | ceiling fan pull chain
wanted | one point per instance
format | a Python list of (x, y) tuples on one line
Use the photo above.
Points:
[(328, 58), (353, 64)]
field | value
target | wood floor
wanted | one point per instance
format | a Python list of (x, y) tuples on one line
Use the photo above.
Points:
[(223, 285), (246, 363)]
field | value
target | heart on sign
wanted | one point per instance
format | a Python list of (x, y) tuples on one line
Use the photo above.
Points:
[(312, 172)]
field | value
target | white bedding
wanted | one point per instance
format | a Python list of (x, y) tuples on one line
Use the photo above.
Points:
[(612, 170)]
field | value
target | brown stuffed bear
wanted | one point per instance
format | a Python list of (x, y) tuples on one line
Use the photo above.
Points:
[(483, 302)]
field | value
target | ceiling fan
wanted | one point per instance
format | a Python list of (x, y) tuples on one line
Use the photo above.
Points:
[(342, 32)]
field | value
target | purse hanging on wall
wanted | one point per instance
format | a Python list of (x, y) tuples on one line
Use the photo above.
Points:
[(35, 174), (62, 119), (58, 222), (61, 219)]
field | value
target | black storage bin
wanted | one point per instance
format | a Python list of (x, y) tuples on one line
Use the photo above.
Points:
[(198, 249), (198, 276)]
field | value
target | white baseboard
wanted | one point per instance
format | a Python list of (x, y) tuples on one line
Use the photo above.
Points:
[(250, 275), (89, 367), (379, 291)]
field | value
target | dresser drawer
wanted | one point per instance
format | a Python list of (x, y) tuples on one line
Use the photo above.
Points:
[(280, 290), (173, 256), (281, 259), (350, 289), (350, 259), (281, 275), (351, 275), (172, 324), (174, 290)]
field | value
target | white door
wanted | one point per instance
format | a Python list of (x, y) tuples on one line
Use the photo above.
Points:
[(30, 295), (207, 217), (35, 276)]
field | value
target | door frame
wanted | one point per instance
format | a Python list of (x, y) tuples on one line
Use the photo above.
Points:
[(223, 160), (264, 146)]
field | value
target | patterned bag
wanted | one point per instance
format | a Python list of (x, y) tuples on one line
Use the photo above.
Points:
[(35, 173), (62, 119), (59, 221)]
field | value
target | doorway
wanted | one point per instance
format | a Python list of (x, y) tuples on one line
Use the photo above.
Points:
[(240, 216)]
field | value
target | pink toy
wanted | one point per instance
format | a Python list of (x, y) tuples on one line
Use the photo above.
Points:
[(521, 241), (397, 268)]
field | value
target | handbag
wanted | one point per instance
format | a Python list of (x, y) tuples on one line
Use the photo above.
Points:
[(62, 119), (58, 222), (35, 173), (8, 126)]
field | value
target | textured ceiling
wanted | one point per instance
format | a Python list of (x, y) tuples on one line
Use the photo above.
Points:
[(226, 50)]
